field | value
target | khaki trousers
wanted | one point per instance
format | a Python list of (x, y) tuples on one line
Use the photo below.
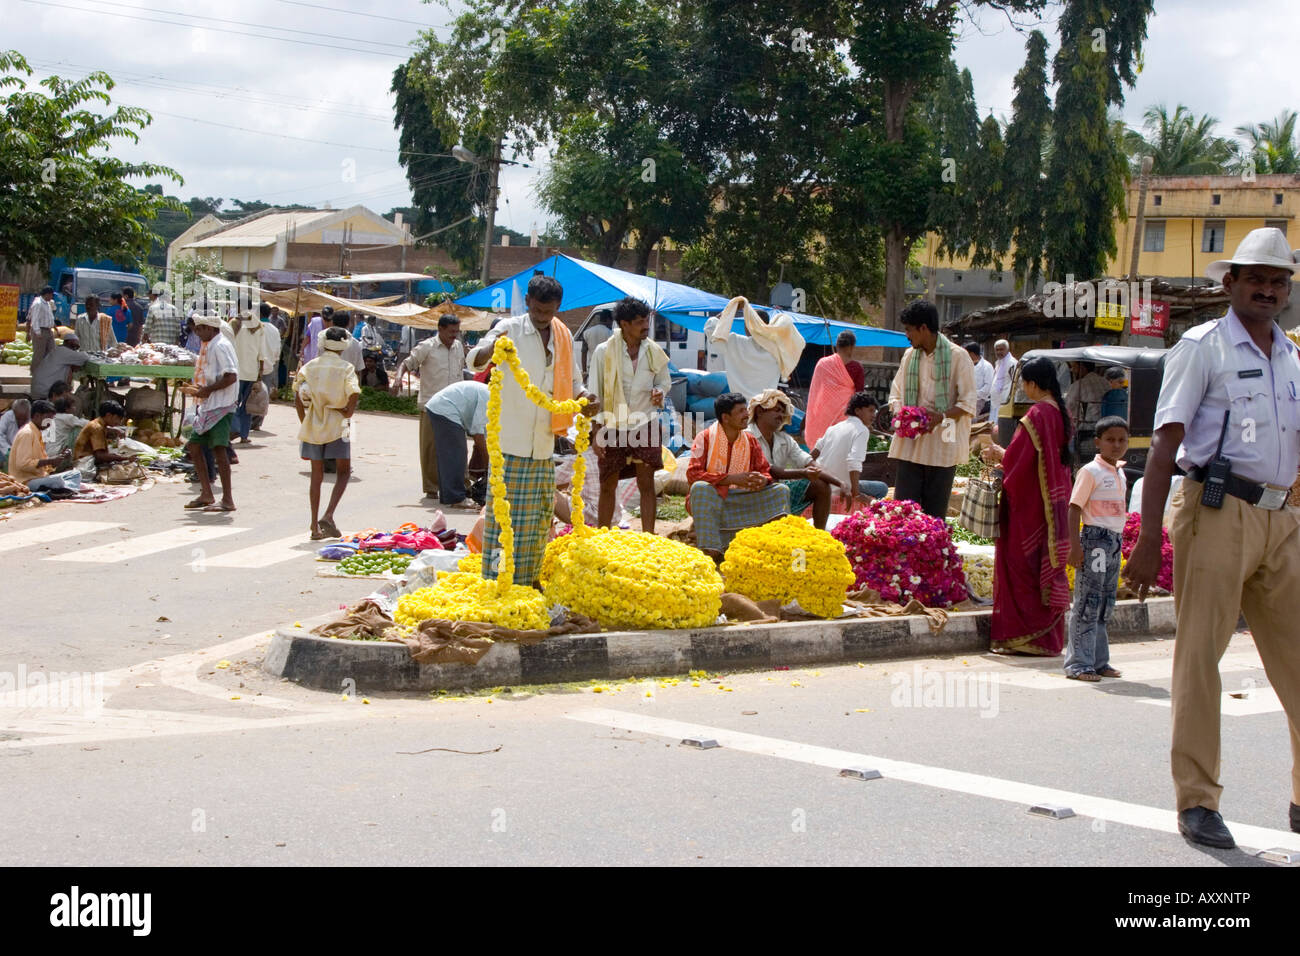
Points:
[(1235, 558), (428, 455)]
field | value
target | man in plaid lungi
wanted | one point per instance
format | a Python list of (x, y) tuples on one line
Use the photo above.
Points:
[(731, 480), (530, 486), (545, 349)]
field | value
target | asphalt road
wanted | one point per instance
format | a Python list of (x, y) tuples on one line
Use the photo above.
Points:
[(200, 758)]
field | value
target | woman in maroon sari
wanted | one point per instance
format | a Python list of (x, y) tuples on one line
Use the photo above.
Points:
[(1031, 594)]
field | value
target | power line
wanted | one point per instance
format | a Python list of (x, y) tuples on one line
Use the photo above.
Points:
[(242, 23), (212, 89), (233, 94), (242, 33), (358, 13)]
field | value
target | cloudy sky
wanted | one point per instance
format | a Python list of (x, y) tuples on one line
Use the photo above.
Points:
[(287, 101)]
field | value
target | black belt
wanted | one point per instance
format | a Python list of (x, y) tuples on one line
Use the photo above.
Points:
[(1248, 491)]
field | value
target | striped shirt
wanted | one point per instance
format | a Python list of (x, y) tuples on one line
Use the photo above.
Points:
[(1099, 490)]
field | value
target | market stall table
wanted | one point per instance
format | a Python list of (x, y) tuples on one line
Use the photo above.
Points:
[(97, 373)]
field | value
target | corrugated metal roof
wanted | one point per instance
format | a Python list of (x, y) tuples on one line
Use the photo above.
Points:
[(265, 230)]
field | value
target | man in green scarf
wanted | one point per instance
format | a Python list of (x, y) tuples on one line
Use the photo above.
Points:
[(936, 375)]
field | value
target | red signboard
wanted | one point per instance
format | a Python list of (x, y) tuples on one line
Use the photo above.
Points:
[(1149, 317)]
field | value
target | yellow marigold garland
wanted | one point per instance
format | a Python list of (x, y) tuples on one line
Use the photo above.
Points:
[(632, 580), (504, 355), (789, 560), (467, 597)]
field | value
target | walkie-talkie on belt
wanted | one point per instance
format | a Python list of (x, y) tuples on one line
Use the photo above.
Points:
[(1217, 472)]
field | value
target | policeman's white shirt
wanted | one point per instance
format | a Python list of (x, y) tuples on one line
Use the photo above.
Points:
[(1216, 367)]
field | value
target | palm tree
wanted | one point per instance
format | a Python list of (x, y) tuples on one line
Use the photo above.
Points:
[(1181, 144), (1272, 146)]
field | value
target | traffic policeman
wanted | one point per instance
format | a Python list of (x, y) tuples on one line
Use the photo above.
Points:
[(1229, 416)]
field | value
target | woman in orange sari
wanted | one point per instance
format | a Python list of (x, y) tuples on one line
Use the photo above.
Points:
[(1031, 594)]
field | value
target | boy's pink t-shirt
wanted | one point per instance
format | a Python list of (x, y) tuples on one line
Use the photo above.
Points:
[(1099, 490)]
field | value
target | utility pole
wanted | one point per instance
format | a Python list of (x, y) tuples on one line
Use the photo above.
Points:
[(1147, 163), (494, 171), (1138, 229)]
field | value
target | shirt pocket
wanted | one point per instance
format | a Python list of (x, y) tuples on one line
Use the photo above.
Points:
[(1250, 401)]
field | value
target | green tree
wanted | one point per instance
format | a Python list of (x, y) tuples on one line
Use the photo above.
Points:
[(1180, 144), (1022, 169), (952, 116), (607, 183), (62, 191), (1088, 170), (444, 190), (1271, 146)]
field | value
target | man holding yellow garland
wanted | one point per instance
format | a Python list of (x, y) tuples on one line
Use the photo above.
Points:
[(544, 346), (629, 371)]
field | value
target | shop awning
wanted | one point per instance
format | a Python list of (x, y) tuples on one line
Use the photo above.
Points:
[(587, 284)]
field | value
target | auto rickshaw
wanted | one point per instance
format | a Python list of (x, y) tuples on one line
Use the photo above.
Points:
[(1145, 370)]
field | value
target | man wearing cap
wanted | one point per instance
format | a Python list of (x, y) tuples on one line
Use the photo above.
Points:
[(40, 326), (257, 346), (216, 386), (769, 412), (1234, 381), (162, 323)]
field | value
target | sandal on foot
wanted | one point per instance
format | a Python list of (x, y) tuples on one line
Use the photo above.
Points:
[(329, 529), (216, 509), (1088, 676), (318, 535), (196, 504), (1109, 672)]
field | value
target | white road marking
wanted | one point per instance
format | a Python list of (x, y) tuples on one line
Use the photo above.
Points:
[(263, 555), (1258, 700), (1012, 791), (44, 534), (1158, 668), (138, 546)]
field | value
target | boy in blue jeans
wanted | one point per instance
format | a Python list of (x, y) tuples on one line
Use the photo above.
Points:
[(1098, 499)]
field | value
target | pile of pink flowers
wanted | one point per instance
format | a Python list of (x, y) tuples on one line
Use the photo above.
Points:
[(897, 549), (911, 421), (1165, 579)]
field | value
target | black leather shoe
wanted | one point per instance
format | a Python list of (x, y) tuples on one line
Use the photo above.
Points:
[(1205, 827), (1295, 818)]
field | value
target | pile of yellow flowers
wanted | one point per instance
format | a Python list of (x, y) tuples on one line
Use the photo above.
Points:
[(467, 597), (471, 564), (789, 560), (631, 579)]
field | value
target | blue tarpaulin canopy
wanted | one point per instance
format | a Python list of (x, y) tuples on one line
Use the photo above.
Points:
[(587, 284)]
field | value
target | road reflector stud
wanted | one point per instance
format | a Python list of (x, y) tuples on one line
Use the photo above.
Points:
[(860, 773), (1055, 811), (1280, 855), (700, 743)]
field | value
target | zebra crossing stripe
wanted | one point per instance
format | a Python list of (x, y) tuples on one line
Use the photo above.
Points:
[(139, 546), (44, 534), (265, 555)]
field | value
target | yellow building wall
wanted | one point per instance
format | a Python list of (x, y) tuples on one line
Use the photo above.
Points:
[(1186, 203)]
